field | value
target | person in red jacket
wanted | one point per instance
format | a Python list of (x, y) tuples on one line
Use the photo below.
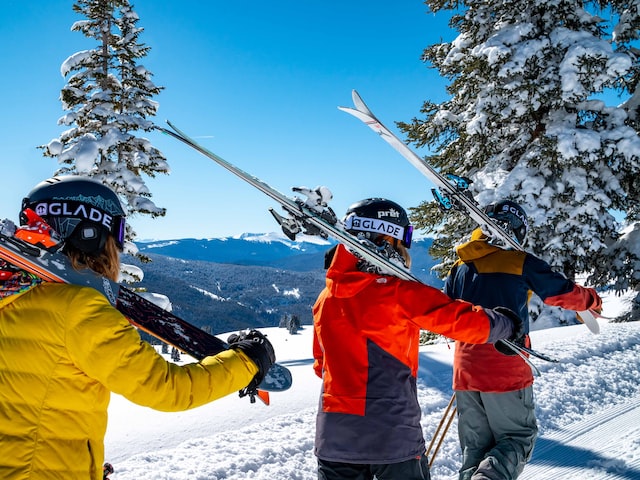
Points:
[(365, 346), (497, 427)]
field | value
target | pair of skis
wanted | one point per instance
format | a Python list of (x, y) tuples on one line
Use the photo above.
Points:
[(452, 193), (310, 214), (453, 189)]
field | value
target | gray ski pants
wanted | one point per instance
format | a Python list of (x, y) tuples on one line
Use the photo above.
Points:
[(497, 432)]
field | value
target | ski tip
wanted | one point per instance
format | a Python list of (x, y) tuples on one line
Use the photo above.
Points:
[(589, 320), (359, 103), (264, 397), (360, 107), (350, 111)]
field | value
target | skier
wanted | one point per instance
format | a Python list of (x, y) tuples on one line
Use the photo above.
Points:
[(493, 386), (365, 345), (64, 347)]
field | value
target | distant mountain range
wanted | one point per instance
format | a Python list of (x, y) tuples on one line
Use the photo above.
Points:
[(252, 280)]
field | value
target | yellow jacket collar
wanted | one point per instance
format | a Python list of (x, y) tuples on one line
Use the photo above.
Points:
[(477, 247)]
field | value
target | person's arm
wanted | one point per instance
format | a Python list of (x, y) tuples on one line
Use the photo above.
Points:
[(318, 356), (558, 291), (449, 282), (433, 310), (318, 352), (103, 344)]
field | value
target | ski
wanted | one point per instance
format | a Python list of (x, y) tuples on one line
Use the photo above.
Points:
[(520, 352), (311, 215), (530, 351), (141, 312), (452, 189)]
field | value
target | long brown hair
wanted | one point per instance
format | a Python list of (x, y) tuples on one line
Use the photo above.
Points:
[(398, 247), (106, 263)]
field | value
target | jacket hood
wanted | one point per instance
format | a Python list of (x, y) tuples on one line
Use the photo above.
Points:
[(477, 247), (343, 277)]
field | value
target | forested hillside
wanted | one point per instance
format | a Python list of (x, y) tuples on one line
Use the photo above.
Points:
[(229, 284)]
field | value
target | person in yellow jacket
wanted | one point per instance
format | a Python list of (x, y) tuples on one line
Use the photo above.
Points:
[(64, 348)]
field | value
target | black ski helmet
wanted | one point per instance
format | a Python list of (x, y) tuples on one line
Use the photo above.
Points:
[(511, 217), (81, 210), (379, 216)]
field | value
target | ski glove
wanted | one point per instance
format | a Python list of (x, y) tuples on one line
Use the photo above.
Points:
[(256, 346), (518, 335), (505, 323)]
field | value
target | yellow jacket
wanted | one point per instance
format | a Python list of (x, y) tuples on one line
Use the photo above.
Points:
[(63, 348)]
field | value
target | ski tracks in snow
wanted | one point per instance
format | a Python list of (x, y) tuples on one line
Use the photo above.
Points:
[(604, 446)]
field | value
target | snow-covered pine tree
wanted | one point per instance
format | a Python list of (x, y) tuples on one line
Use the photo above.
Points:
[(530, 118), (108, 99)]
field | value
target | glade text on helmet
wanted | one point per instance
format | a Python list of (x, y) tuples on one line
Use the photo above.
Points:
[(72, 209), (506, 208), (380, 226)]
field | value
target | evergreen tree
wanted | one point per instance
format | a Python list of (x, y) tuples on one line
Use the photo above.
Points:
[(527, 119), (108, 99)]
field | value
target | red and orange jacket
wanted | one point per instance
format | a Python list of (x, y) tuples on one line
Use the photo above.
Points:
[(490, 276), (365, 346)]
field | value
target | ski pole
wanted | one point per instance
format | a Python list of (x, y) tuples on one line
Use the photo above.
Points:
[(448, 416)]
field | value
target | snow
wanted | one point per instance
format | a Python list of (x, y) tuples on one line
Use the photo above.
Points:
[(588, 409), (282, 238)]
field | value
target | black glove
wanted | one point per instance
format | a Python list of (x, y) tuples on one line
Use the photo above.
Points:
[(518, 336), (256, 346), (507, 350), (107, 469)]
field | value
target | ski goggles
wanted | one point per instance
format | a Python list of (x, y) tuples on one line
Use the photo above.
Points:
[(382, 227), (119, 230), (65, 216)]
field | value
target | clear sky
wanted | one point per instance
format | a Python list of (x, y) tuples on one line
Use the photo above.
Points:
[(256, 82)]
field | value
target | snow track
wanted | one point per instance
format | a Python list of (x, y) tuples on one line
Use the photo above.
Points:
[(591, 447)]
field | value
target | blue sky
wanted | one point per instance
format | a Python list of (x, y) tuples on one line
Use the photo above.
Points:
[(258, 83)]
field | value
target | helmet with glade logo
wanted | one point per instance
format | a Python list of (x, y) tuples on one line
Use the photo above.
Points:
[(378, 216), (82, 211), (511, 217), (382, 226)]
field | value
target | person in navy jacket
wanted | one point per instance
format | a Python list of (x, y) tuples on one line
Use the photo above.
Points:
[(493, 386)]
